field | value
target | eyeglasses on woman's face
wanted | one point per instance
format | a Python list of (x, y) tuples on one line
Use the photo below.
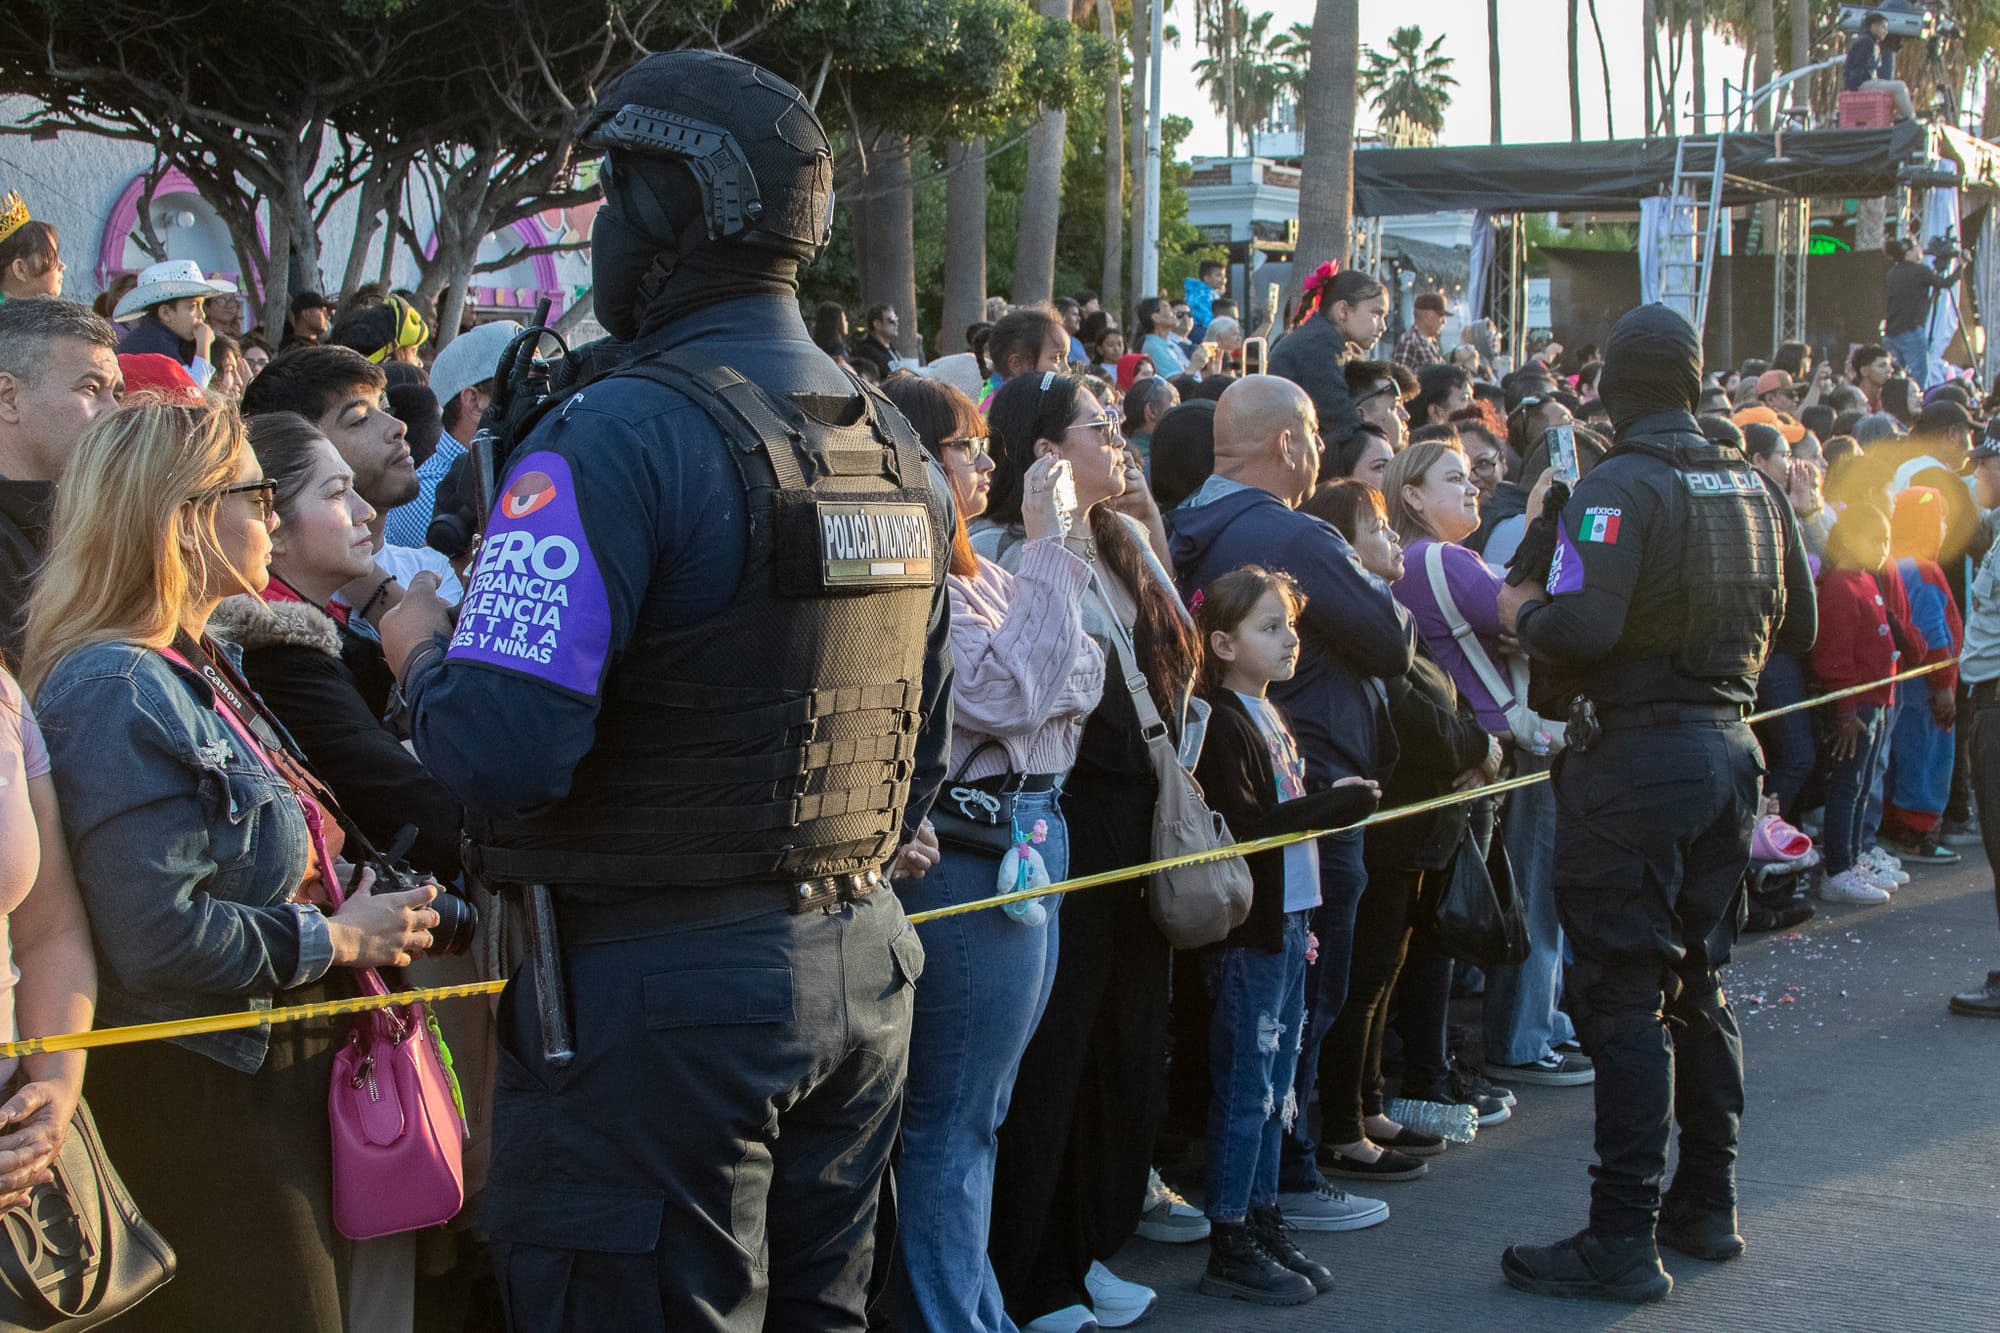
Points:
[(975, 447), (263, 493)]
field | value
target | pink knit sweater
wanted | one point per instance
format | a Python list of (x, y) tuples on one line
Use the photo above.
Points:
[(1025, 673)]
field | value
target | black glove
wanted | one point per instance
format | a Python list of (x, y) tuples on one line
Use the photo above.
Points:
[(1537, 550)]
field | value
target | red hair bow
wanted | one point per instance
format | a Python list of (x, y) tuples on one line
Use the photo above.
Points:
[(1322, 275)]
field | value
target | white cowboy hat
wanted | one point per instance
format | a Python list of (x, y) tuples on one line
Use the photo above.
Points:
[(168, 281)]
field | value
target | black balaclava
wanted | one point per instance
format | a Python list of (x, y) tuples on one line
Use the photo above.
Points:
[(1652, 364), (652, 261)]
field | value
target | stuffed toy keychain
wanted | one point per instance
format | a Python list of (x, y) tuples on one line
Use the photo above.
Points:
[(1022, 869)]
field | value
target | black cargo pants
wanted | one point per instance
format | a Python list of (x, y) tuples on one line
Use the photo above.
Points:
[(1652, 839), (712, 1158)]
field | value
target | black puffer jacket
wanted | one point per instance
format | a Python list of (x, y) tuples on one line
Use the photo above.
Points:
[(1440, 738), (293, 657)]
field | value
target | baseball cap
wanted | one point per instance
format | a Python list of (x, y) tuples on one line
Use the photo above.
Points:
[(1944, 414), (1773, 380), (161, 377), (1784, 423), (470, 358)]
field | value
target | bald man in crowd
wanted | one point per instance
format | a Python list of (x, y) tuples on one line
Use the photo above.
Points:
[(1267, 450)]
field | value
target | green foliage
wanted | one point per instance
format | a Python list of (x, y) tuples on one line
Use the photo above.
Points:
[(1410, 79), (1265, 67)]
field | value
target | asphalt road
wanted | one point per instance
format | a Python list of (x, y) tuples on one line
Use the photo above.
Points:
[(1870, 1173)]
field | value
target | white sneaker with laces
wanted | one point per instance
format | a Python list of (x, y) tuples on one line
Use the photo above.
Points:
[(1888, 866), (1330, 1208), (1851, 886), (1877, 876), (1169, 1219), (1114, 1302)]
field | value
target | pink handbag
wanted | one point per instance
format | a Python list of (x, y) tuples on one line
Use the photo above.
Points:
[(398, 1132)]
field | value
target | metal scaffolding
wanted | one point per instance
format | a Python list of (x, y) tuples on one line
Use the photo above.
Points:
[(1788, 270)]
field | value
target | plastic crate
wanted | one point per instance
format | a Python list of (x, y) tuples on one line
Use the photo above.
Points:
[(1867, 111)]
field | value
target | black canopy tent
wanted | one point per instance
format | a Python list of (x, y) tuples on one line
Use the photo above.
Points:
[(1615, 176)]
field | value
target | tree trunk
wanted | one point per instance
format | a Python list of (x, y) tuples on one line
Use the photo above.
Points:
[(965, 244), (1041, 196), (1697, 30), (1326, 117), (1989, 114), (1603, 59), (1801, 21), (379, 189), (1648, 56), (1114, 167), (1764, 55), (1492, 71), (1142, 38), (1575, 93), (892, 220), (1229, 76)]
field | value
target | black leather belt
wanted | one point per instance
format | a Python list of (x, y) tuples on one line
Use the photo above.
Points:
[(1983, 693), (1668, 714)]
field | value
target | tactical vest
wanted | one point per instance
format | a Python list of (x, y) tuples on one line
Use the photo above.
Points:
[(774, 741), (1732, 584)]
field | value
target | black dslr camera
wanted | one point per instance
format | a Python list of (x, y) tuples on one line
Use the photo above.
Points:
[(1942, 249), (458, 919)]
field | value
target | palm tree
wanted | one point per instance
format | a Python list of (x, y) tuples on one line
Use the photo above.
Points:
[(1575, 92), (1326, 120), (1410, 80), (1114, 165), (1604, 59), (1246, 82), (1041, 195), (1493, 66)]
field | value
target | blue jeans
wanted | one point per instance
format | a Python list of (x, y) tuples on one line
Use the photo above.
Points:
[(1788, 740), (1522, 1021), (1878, 777), (1911, 348), (1847, 794), (1253, 1044), (986, 981), (1342, 877)]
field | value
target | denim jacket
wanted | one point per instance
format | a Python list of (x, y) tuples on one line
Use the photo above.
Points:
[(187, 847)]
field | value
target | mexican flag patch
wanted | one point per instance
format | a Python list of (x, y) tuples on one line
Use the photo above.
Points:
[(1599, 525)]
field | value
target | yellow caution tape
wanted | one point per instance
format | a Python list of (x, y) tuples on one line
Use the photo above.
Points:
[(254, 1018)]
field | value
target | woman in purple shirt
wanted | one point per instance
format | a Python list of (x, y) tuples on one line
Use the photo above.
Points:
[(1434, 506)]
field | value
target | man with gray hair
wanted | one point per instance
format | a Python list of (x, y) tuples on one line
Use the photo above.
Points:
[(58, 371)]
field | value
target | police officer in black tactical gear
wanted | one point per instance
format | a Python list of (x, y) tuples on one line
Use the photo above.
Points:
[(1676, 570), (698, 689)]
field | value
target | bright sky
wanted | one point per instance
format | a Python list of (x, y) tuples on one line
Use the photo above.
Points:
[(1534, 83)]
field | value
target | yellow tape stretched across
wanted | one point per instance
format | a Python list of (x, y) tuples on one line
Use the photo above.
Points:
[(188, 1027)]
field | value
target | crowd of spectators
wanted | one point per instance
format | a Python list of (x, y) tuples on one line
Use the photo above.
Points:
[(1299, 571)]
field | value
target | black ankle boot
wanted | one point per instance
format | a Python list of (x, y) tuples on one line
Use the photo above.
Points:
[(1240, 1268), (1699, 1231), (1621, 1268), (1272, 1231)]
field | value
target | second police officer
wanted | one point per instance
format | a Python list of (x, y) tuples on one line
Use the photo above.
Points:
[(699, 689), (1676, 571)]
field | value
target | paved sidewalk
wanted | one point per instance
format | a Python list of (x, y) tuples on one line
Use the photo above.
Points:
[(1870, 1171)]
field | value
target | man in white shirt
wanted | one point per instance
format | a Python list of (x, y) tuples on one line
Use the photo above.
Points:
[(462, 379)]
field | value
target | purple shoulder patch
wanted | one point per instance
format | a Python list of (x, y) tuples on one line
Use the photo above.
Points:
[(1566, 569), (537, 604)]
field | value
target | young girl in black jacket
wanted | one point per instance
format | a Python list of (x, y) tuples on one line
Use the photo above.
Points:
[(1253, 775)]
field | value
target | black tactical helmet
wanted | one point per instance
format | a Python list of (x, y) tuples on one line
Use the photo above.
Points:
[(751, 142)]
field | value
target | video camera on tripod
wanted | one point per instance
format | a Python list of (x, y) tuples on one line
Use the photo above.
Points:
[(1943, 249)]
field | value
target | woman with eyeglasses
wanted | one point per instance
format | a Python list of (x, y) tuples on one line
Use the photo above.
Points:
[(204, 862), (1026, 675), (1076, 1147)]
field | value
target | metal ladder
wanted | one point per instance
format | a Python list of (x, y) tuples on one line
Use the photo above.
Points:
[(1694, 221)]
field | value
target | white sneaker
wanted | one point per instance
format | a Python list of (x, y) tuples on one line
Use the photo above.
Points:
[(1330, 1208), (1169, 1219), (1114, 1302), (1069, 1319), (1877, 876), (1851, 886), (1888, 866)]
